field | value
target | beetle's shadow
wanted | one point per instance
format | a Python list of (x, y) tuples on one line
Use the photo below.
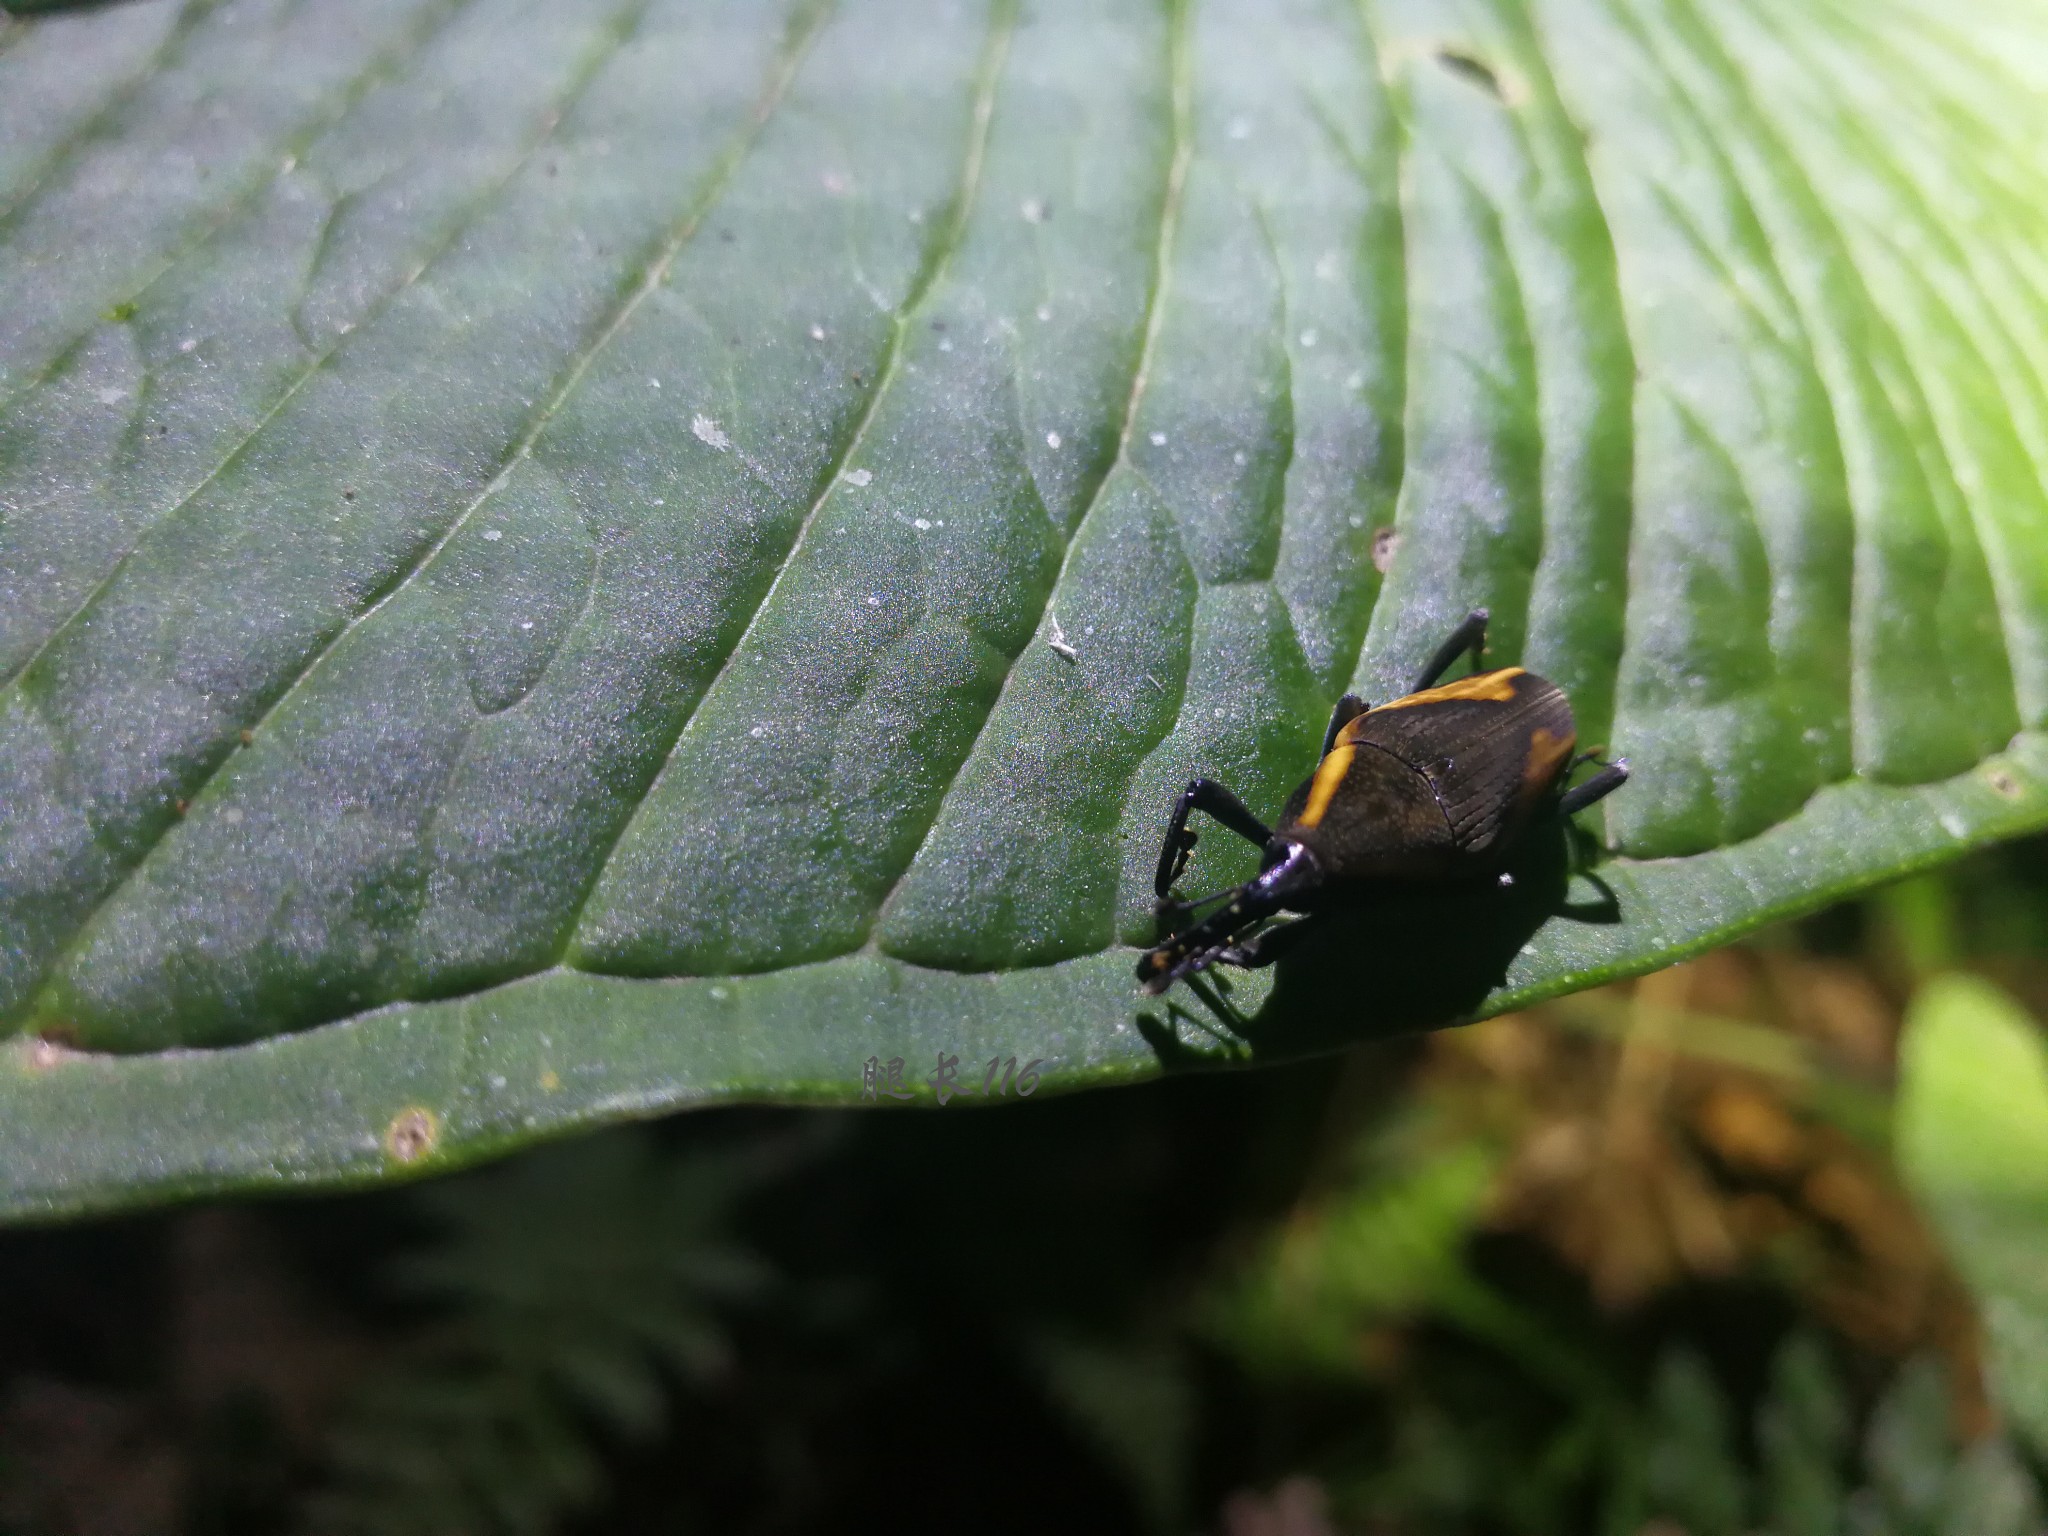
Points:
[(1407, 958), (1207, 1013)]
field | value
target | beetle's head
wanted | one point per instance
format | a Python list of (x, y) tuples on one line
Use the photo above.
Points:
[(1288, 869)]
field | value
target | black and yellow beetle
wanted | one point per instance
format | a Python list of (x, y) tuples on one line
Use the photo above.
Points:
[(1435, 785)]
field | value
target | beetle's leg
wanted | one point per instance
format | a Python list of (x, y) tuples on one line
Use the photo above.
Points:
[(1610, 778), (1348, 709), (1202, 795), (1468, 636), (1269, 944)]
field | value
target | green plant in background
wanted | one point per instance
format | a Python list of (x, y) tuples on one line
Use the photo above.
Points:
[(1973, 1139), (1481, 1404), (1692, 1471), (1907, 1477), (532, 532), (578, 1291), (1133, 1401), (1676, 1448)]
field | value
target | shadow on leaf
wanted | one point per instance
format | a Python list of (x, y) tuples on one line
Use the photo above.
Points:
[(1394, 960)]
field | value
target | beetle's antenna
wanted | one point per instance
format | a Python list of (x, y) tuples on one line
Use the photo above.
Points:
[(1162, 967), (1197, 948), (1180, 907)]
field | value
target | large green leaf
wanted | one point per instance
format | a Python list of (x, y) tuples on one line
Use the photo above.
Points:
[(532, 532)]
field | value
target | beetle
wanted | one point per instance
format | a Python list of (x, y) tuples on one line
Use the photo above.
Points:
[(1436, 785)]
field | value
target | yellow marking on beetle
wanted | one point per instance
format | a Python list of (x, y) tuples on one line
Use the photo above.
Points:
[(1546, 753), (1494, 687), (1323, 789)]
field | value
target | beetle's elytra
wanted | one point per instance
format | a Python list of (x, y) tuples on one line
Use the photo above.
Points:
[(1435, 785)]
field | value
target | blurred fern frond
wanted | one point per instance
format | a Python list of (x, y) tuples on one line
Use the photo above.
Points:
[(573, 1290)]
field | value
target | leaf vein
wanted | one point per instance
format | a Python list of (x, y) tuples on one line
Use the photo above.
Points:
[(96, 122), (931, 272), (1400, 407), (465, 219), (1155, 305), (1904, 185), (343, 100), (680, 234)]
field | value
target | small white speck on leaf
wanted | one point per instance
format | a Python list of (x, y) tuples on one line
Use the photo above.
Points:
[(189, 344), (859, 477), (917, 215), (836, 183), (1052, 439), (113, 396), (654, 383), (706, 431), (719, 994), (1354, 381), (921, 524), (945, 343), (232, 815), (1057, 640), (758, 732), (817, 333), (1308, 338), (526, 623), (657, 502), (1044, 312), (1240, 128), (1327, 267), (1355, 521), (492, 535), (1506, 879), (1033, 210), (1158, 439), (1238, 458), (1218, 713), (874, 601)]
